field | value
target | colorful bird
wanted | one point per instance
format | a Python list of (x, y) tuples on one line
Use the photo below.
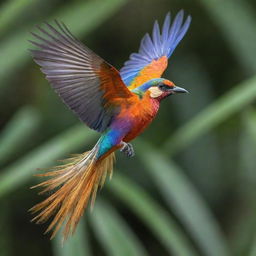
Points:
[(119, 105)]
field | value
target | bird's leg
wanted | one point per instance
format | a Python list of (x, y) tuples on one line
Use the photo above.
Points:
[(127, 148)]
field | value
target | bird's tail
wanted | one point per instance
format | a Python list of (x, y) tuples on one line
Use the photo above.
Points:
[(71, 186)]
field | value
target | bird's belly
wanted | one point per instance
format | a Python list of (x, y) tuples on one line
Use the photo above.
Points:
[(136, 130)]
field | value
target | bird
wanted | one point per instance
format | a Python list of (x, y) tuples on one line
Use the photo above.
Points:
[(117, 104)]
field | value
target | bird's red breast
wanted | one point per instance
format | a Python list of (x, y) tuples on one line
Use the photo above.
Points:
[(139, 113)]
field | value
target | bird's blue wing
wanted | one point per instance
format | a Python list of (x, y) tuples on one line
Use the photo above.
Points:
[(152, 58)]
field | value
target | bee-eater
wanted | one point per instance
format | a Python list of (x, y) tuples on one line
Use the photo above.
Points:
[(119, 105)]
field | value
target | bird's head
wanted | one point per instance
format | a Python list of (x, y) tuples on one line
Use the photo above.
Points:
[(162, 88), (158, 88)]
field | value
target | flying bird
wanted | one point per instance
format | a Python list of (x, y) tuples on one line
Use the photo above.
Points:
[(117, 104)]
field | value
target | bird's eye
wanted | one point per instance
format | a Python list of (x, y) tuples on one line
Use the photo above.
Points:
[(164, 87)]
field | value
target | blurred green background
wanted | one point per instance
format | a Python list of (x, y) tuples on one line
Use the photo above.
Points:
[(190, 189)]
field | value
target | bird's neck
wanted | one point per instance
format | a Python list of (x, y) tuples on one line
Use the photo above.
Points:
[(142, 90), (154, 103)]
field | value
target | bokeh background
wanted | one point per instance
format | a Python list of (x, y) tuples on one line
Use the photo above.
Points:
[(190, 189)]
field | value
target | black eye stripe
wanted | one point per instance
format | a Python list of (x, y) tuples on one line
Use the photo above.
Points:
[(164, 87)]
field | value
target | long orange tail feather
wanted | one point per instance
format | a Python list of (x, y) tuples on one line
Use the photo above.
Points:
[(74, 183)]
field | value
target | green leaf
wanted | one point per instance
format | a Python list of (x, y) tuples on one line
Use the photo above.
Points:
[(11, 10), (248, 149), (21, 171), (5, 223), (77, 244), (92, 14), (250, 124), (230, 103), (153, 215), (236, 20), (243, 226), (17, 131), (253, 249), (184, 200), (114, 234)]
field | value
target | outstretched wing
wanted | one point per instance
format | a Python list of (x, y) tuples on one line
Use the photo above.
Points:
[(90, 86), (152, 58)]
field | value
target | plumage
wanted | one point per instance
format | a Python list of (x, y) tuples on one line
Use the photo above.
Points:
[(84, 81), (118, 105), (154, 52), (77, 180)]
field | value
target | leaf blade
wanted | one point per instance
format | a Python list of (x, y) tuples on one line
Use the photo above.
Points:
[(114, 234), (184, 200), (158, 221)]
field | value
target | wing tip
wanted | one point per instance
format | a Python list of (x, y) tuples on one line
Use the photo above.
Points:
[(160, 43)]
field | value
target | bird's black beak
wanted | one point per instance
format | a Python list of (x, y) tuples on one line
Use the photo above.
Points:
[(177, 89)]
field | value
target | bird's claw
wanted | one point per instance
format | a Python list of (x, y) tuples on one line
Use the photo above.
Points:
[(127, 149)]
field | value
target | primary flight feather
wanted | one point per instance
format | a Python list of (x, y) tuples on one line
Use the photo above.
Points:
[(119, 105)]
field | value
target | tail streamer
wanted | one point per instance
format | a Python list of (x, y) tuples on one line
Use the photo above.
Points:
[(72, 185)]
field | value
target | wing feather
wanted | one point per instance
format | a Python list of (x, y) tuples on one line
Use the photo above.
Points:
[(151, 60), (90, 86)]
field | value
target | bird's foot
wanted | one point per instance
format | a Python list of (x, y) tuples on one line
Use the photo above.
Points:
[(127, 149)]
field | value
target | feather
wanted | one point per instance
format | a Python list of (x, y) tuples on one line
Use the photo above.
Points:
[(153, 49), (73, 184), (78, 74)]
